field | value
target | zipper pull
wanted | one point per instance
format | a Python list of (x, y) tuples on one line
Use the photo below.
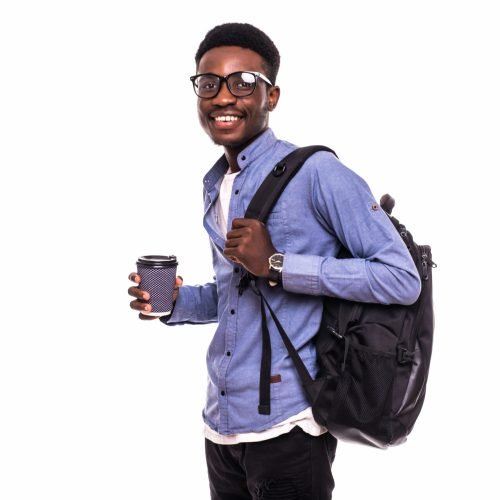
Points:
[(332, 330), (425, 271)]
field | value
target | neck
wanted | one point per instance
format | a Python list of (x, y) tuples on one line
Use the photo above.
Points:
[(232, 159)]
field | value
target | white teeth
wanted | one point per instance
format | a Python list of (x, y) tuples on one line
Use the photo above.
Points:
[(229, 118)]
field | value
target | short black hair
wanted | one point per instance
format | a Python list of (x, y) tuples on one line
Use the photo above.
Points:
[(242, 35)]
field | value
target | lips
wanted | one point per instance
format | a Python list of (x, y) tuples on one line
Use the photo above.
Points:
[(225, 121), (227, 118)]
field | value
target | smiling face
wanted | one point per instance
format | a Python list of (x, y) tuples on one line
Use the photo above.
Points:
[(233, 122)]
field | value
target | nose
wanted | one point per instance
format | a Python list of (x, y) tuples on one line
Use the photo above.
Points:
[(224, 96)]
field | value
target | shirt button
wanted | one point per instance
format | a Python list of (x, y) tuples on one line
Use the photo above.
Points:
[(237, 191), (243, 158), (228, 353), (223, 393), (233, 311)]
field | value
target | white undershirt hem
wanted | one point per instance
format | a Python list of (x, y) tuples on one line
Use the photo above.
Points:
[(304, 420)]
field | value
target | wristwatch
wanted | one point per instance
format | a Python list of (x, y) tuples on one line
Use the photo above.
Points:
[(275, 268)]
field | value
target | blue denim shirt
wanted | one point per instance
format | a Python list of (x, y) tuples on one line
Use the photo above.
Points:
[(324, 207)]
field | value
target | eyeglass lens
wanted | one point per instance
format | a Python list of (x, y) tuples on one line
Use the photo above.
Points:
[(240, 84)]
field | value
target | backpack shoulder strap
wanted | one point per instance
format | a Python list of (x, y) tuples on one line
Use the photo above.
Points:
[(270, 190), (259, 208)]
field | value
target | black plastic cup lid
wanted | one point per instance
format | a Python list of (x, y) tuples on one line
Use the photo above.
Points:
[(158, 260)]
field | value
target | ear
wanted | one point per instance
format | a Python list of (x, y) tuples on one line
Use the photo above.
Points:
[(273, 97)]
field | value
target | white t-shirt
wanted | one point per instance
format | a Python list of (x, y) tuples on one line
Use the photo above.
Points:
[(222, 203)]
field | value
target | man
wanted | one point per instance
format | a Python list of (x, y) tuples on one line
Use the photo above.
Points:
[(279, 452)]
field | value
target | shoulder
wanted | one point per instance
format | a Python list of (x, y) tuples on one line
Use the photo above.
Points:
[(324, 168)]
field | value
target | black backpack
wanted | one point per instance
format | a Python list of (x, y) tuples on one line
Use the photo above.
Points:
[(373, 359)]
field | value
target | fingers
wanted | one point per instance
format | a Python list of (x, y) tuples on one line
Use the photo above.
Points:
[(246, 224), (141, 296), (140, 305), (232, 242), (235, 233), (147, 318), (134, 277), (240, 223), (135, 291), (243, 228), (138, 293), (231, 257), (249, 243), (178, 284), (237, 238), (232, 253), (232, 245)]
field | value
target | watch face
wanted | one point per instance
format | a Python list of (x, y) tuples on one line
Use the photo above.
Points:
[(276, 261)]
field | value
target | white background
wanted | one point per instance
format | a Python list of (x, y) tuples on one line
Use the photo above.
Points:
[(101, 161)]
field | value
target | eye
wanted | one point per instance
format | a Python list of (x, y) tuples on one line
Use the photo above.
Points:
[(243, 81), (206, 83), (243, 85)]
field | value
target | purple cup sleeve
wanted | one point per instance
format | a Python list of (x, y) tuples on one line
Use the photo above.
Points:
[(159, 283)]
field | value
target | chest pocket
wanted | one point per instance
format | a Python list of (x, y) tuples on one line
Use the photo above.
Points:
[(277, 225)]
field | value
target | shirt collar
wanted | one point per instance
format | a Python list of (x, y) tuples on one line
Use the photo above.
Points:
[(257, 148), (260, 146)]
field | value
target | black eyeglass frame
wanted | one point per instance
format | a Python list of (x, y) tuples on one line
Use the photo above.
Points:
[(222, 79)]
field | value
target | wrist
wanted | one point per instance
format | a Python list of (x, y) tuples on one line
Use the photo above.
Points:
[(276, 262)]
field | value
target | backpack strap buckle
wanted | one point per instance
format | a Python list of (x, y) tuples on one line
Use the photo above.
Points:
[(279, 169), (404, 355)]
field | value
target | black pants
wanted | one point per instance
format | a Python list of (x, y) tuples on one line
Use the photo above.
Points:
[(292, 466)]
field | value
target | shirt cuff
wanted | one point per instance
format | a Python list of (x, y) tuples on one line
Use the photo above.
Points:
[(183, 307), (301, 273)]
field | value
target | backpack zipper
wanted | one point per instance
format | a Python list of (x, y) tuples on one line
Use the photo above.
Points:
[(425, 262)]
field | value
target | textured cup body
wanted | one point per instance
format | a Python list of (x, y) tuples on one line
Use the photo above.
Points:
[(159, 281)]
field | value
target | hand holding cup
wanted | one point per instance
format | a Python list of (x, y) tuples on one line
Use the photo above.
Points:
[(157, 288)]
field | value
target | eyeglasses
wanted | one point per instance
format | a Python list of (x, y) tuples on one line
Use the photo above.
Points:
[(240, 84)]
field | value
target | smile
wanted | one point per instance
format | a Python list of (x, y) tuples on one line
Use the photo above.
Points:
[(227, 118)]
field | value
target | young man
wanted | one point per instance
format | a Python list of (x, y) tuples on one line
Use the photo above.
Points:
[(279, 452)]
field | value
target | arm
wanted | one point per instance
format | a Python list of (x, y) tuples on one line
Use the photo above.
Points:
[(381, 269), (194, 304)]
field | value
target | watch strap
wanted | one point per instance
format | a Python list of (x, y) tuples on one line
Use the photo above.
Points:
[(274, 277)]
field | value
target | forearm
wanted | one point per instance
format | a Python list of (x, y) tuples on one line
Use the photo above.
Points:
[(194, 304), (358, 279)]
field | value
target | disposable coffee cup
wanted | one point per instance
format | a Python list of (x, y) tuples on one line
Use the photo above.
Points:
[(158, 273)]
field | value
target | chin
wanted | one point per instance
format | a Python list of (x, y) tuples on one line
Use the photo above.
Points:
[(228, 142)]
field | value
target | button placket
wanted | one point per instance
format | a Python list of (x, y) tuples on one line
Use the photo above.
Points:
[(230, 338)]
